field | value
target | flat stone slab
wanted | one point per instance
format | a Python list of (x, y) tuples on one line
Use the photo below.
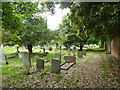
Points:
[(66, 66)]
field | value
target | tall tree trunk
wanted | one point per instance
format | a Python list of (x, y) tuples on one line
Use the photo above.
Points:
[(30, 48), (43, 50), (60, 47), (81, 47), (17, 50)]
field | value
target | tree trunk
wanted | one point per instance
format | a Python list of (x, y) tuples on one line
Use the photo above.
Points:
[(30, 49), (81, 47), (17, 50), (60, 47), (43, 50)]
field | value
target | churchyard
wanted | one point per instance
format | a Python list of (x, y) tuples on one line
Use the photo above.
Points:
[(98, 65), (59, 44)]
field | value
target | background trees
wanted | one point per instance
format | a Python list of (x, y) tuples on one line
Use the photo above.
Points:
[(93, 20), (33, 32)]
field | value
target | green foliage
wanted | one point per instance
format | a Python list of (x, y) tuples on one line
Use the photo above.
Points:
[(97, 21)]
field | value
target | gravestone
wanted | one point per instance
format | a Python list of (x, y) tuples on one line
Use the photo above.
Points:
[(80, 53), (55, 66), (58, 55), (20, 55), (39, 64), (68, 51), (26, 59), (70, 58), (84, 52), (3, 60), (1, 45)]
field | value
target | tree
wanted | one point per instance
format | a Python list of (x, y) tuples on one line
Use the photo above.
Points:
[(33, 32), (96, 20), (13, 15)]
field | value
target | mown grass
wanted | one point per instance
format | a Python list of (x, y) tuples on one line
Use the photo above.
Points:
[(15, 64)]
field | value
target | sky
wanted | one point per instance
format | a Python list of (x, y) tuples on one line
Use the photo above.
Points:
[(54, 20)]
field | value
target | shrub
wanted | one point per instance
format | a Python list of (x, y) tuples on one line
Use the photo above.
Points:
[(16, 45), (49, 48)]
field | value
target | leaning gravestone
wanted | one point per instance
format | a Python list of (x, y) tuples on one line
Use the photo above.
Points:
[(55, 66), (26, 59), (3, 59), (58, 55), (39, 64)]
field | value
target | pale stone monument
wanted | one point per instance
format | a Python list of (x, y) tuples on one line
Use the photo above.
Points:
[(3, 60), (58, 55), (39, 64), (20, 55), (26, 59), (69, 51), (55, 66)]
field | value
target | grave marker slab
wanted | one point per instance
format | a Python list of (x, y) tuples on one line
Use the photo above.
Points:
[(26, 59), (68, 51), (39, 64), (20, 55), (58, 55), (3, 60), (55, 66), (70, 58)]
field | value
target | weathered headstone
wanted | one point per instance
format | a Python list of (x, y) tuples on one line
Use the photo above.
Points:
[(26, 59), (58, 55), (3, 59), (69, 51), (55, 66), (70, 58), (1, 45), (20, 55), (39, 64)]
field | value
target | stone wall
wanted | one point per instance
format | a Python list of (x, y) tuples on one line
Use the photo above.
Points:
[(115, 47)]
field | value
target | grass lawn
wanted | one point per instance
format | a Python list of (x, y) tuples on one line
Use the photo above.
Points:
[(14, 74), (15, 64)]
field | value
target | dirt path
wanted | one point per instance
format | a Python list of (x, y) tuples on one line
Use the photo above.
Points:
[(91, 71)]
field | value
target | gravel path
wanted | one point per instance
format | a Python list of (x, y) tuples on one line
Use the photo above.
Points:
[(91, 71)]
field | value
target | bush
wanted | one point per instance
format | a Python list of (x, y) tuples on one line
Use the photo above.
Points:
[(50, 48), (16, 45)]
